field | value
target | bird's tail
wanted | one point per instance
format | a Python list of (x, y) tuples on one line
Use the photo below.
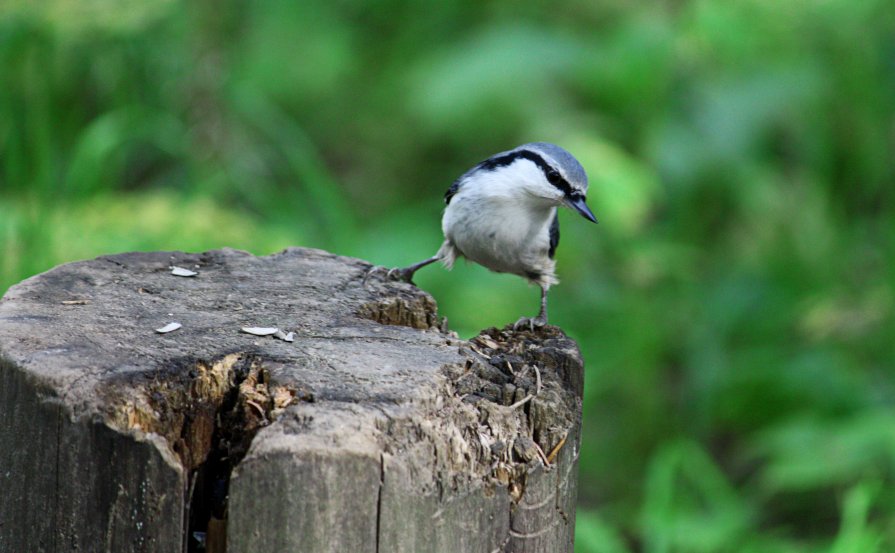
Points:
[(448, 254)]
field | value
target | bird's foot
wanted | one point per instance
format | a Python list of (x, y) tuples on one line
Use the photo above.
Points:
[(395, 274), (400, 274), (530, 323)]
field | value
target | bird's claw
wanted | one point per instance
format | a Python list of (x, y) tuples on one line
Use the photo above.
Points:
[(530, 322), (399, 274), (374, 270), (396, 274)]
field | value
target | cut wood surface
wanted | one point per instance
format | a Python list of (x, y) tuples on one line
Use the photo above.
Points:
[(373, 430)]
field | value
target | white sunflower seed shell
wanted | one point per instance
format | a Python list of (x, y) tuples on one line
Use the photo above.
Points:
[(180, 271), (290, 337), (170, 327), (259, 330)]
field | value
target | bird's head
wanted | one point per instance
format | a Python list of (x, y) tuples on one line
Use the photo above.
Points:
[(546, 171)]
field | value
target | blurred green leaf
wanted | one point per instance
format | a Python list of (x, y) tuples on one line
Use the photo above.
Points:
[(855, 536), (812, 453), (79, 18), (104, 148), (622, 190), (510, 68), (593, 535), (689, 505)]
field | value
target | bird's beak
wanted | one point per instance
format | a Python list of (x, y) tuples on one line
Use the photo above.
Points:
[(578, 205)]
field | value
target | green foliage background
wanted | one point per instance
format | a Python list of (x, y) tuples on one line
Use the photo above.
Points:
[(735, 305)]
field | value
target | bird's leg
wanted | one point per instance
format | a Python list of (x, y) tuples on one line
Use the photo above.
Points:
[(406, 274), (540, 320)]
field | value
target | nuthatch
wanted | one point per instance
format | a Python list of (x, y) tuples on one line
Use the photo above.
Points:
[(502, 215)]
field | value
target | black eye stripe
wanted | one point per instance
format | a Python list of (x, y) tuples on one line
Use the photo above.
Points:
[(552, 175)]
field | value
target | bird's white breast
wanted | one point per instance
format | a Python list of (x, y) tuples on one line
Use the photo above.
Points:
[(501, 222)]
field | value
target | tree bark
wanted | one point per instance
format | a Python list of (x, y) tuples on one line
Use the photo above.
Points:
[(373, 431)]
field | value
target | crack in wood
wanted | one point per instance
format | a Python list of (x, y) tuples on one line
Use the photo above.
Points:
[(535, 534), (379, 500), (208, 416)]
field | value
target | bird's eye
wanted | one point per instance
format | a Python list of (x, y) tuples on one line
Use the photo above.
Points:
[(553, 177)]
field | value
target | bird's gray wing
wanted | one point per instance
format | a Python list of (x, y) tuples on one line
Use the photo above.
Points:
[(554, 235), (452, 190), (459, 182)]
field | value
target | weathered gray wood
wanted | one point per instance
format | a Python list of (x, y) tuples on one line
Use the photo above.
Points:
[(76, 484), (372, 431)]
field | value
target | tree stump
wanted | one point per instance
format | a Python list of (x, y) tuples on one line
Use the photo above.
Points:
[(373, 431)]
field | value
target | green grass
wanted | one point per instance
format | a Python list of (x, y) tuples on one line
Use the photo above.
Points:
[(734, 306)]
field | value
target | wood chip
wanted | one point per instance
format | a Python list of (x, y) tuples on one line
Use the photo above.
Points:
[(542, 456), (180, 271), (75, 302), (283, 397), (488, 343), (170, 327), (553, 452), (259, 330), (529, 397), (477, 350), (257, 408)]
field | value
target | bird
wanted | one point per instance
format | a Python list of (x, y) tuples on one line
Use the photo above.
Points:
[(502, 214)]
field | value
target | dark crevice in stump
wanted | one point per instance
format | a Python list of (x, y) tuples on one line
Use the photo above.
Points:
[(209, 415), (209, 483)]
